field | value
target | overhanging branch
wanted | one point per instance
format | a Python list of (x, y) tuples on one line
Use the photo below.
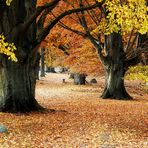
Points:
[(61, 24), (47, 29), (38, 11)]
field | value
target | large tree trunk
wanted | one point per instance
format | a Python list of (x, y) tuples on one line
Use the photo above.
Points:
[(114, 84), (115, 69), (17, 89), (17, 80)]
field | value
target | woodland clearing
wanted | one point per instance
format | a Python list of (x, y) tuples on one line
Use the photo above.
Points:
[(81, 119)]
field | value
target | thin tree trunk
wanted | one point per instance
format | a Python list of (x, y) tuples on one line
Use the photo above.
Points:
[(37, 66), (42, 63)]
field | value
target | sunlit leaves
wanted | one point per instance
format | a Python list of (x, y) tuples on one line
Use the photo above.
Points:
[(8, 2), (7, 49), (138, 72), (125, 16)]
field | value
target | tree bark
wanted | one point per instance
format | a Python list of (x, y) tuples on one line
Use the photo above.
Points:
[(17, 91), (37, 66), (114, 84), (18, 80)]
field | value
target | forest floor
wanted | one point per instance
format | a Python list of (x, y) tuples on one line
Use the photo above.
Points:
[(81, 119)]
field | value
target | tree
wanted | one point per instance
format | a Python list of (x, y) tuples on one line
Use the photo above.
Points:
[(127, 17), (22, 23), (119, 38), (18, 78), (42, 65)]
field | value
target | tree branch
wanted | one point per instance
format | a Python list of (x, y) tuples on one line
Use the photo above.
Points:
[(70, 29), (64, 49), (47, 29), (41, 21), (91, 38), (92, 14), (38, 11), (128, 42), (73, 30), (140, 55)]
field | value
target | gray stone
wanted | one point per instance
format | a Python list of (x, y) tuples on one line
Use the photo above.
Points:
[(3, 129)]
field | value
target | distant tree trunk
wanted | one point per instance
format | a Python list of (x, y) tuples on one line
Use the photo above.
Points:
[(49, 69), (79, 79), (115, 69), (42, 62), (71, 76), (37, 66)]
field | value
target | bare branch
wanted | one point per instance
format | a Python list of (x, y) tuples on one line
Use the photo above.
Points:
[(64, 49), (93, 15), (91, 38), (140, 55), (69, 28), (41, 21), (128, 42), (132, 44), (72, 30)]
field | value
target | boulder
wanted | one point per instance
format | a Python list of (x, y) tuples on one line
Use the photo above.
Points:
[(93, 81), (79, 79), (3, 129)]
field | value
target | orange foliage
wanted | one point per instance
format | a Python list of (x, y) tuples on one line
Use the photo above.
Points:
[(83, 57), (84, 60)]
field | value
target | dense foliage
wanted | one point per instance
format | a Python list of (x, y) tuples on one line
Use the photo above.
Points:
[(138, 72), (125, 16)]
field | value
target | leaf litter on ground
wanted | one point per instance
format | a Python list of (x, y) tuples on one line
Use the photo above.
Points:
[(80, 119)]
